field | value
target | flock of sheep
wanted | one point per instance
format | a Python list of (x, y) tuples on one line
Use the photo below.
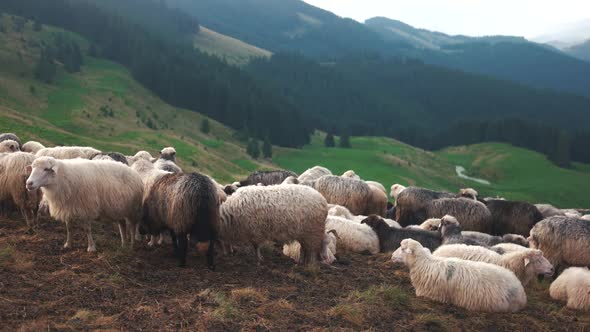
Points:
[(475, 253)]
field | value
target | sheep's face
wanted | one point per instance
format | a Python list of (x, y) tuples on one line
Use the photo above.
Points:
[(396, 189), (168, 153), (407, 251), (351, 174), (431, 224), (9, 146), (291, 180), (538, 264), (43, 173), (375, 222), (468, 193)]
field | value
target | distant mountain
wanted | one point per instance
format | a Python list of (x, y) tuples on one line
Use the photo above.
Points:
[(567, 35), (580, 51)]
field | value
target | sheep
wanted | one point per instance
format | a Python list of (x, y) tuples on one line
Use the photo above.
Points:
[(293, 250), (183, 204), (548, 210), (9, 146), (391, 237), (354, 236), (355, 195), (474, 216), (351, 174), (139, 155), (290, 180), (512, 217), (168, 153), (491, 240), (113, 156), (572, 286), (475, 286), (85, 190), (506, 248), (526, 264), (267, 178), (283, 213), (377, 185), (13, 173), (378, 201), (411, 204), (585, 217), (450, 231), (313, 174), (11, 136), (167, 165), (571, 213), (32, 147), (395, 190), (341, 211), (563, 240), (468, 193), (68, 152), (431, 224)]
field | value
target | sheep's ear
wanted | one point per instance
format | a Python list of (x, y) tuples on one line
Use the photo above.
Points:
[(333, 231), (29, 169), (527, 262)]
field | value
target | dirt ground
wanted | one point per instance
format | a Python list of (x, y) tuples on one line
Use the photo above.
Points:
[(44, 287)]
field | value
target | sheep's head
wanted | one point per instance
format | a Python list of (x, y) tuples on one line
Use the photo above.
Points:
[(351, 174), (396, 189), (43, 173), (516, 239), (9, 146), (168, 153), (375, 222), (536, 263), (291, 180), (407, 251), (449, 225), (468, 193), (432, 224)]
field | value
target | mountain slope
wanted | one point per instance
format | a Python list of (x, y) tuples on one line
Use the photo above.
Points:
[(580, 51), (232, 50), (77, 109)]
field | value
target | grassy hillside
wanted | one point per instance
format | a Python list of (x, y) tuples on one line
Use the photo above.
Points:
[(104, 107), (514, 173), (232, 50)]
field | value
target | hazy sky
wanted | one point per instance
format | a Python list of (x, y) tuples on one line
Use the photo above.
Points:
[(529, 18)]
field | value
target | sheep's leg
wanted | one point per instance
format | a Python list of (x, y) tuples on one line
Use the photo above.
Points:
[(181, 248), (68, 243), (28, 220), (211, 255), (122, 231), (91, 244), (161, 239), (137, 235), (258, 253), (152, 240)]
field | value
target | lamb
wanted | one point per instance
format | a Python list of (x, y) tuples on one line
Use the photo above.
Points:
[(11, 136), (563, 240), (85, 190), (391, 237), (183, 204), (511, 217), (526, 264), (351, 174), (353, 236), (32, 147), (474, 216), (283, 213), (411, 204), (68, 152), (9, 146), (573, 286), (167, 165), (13, 173), (355, 195), (313, 174), (475, 286), (168, 153), (548, 210), (267, 178), (293, 250)]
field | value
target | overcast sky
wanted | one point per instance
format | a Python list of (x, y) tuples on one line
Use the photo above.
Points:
[(528, 18)]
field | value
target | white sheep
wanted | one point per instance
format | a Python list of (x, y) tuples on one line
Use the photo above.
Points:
[(85, 190), (9, 146), (475, 286), (341, 211), (68, 152), (468, 193), (168, 153), (140, 155), (354, 236), (313, 174), (351, 174), (572, 286), (167, 165), (506, 248), (526, 264), (395, 190), (293, 250), (283, 213), (377, 185), (32, 147), (585, 217)]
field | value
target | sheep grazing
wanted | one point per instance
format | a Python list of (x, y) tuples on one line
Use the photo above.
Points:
[(475, 286), (85, 190), (526, 264), (548, 210), (32, 147), (506, 248), (183, 204), (12, 137), (573, 287), (168, 153), (355, 195), (468, 193), (293, 249), (391, 237), (68, 152), (354, 236), (351, 174), (411, 204), (563, 240), (282, 213), (167, 165), (511, 217), (313, 174), (474, 216), (13, 174), (9, 146), (267, 178)]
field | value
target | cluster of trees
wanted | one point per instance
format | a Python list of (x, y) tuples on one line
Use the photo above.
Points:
[(253, 148), (62, 49), (175, 71), (330, 142)]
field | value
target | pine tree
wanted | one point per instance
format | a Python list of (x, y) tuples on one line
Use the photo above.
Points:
[(561, 155), (267, 148), (252, 149), (329, 141), (46, 70), (37, 26), (205, 129), (345, 141)]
